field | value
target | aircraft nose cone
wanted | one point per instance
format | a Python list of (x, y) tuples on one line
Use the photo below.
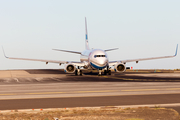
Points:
[(103, 62)]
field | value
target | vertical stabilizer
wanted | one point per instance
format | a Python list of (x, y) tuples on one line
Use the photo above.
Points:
[(86, 42)]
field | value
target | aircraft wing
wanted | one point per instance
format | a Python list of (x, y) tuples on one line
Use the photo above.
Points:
[(47, 61), (111, 63)]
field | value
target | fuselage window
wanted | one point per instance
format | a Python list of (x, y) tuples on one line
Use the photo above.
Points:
[(99, 56)]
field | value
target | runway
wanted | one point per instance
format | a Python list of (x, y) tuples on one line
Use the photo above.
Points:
[(68, 102), (31, 89)]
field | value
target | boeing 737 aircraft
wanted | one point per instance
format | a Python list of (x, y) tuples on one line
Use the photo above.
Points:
[(92, 59)]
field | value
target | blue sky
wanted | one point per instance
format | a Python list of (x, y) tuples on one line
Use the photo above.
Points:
[(138, 28)]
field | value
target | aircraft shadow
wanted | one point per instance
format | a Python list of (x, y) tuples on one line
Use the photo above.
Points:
[(89, 76), (122, 78), (45, 71)]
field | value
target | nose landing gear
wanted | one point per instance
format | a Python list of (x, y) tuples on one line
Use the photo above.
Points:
[(105, 72), (100, 72)]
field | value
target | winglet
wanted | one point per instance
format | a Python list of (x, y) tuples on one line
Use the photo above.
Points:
[(4, 52), (176, 50)]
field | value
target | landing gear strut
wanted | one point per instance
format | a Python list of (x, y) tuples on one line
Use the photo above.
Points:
[(78, 71), (100, 72), (107, 71)]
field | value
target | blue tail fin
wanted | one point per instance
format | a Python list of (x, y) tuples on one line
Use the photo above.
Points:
[(86, 42)]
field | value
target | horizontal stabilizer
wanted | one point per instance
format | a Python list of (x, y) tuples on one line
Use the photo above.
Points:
[(111, 49), (67, 51)]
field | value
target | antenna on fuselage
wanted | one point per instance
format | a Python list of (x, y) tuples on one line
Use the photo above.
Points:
[(86, 35)]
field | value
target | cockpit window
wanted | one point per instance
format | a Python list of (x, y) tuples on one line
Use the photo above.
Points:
[(99, 56)]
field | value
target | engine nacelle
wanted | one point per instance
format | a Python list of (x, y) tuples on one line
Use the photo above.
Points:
[(69, 68), (120, 67)]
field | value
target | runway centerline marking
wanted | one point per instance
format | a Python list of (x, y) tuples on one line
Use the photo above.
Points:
[(99, 91)]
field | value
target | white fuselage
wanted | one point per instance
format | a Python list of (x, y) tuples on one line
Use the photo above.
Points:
[(95, 59)]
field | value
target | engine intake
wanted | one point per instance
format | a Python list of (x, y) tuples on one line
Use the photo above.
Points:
[(120, 67), (70, 68)]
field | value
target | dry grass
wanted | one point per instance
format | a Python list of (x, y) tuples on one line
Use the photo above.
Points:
[(144, 113)]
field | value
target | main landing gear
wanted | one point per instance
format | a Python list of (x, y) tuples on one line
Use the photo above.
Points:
[(105, 71), (78, 71)]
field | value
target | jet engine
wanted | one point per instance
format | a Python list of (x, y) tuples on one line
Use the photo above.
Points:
[(120, 67), (69, 68)]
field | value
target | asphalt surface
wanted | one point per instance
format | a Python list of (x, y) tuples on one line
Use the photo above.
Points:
[(89, 101), (31, 89)]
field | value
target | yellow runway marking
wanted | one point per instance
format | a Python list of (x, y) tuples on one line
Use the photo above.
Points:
[(96, 91), (129, 79), (173, 89), (121, 78), (150, 89), (6, 94), (140, 90), (60, 92), (72, 92), (46, 93)]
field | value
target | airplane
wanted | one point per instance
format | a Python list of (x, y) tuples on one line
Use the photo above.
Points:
[(93, 59)]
